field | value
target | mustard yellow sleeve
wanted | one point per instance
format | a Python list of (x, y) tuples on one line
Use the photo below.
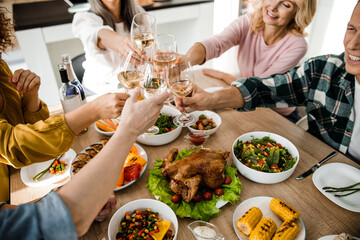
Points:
[(33, 117), (25, 144)]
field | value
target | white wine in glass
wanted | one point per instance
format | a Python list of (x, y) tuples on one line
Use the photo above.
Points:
[(181, 84), (143, 31), (129, 79), (165, 52), (129, 74), (143, 40)]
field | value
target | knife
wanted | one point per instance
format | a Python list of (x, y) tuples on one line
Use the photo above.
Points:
[(316, 166)]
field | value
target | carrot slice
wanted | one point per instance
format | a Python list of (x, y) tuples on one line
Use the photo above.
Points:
[(105, 127), (110, 123)]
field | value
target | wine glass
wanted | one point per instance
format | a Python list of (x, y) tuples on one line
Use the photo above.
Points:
[(152, 84), (129, 72), (143, 31), (181, 84), (165, 51)]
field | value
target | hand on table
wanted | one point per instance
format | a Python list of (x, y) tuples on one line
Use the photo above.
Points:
[(109, 105), (141, 115), (105, 211), (226, 77)]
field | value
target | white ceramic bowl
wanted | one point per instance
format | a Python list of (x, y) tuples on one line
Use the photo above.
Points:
[(161, 139), (265, 177), (208, 114), (165, 213)]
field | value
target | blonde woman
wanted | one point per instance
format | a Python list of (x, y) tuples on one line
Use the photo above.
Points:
[(271, 40), (105, 34)]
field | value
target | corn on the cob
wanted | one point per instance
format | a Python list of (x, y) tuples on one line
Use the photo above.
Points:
[(264, 230), (249, 220), (287, 231), (284, 210)]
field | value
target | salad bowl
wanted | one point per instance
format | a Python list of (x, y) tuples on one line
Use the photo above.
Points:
[(162, 138), (266, 177)]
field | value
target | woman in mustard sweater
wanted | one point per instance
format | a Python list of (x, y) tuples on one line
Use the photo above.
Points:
[(28, 135)]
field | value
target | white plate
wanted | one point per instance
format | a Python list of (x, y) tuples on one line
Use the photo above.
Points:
[(141, 152), (338, 175), (213, 89), (328, 237), (28, 172), (263, 203)]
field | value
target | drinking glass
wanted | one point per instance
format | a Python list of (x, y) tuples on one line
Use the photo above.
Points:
[(129, 72), (165, 51), (181, 84), (152, 83), (143, 31)]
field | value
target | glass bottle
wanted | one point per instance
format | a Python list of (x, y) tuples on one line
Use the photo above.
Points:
[(70, 95), (72, 76)]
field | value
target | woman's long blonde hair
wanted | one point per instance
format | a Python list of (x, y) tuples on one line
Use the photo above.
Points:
[(304, 14)]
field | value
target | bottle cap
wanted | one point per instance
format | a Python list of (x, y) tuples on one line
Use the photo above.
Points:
[(65, 58)]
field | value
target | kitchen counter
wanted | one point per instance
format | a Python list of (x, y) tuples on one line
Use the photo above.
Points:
[(49, 13)]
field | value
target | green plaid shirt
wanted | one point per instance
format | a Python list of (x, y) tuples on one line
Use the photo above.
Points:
[(322, 85)]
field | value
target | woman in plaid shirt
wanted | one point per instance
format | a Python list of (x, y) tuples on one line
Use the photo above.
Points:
[(328, 86)]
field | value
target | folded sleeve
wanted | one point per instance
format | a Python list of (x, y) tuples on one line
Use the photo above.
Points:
[(281, 90), (46, 219), (86, 26), (25, 144), (231, 36), (33, 117)]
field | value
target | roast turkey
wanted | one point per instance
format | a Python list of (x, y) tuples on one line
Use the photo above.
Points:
[(204, 167)]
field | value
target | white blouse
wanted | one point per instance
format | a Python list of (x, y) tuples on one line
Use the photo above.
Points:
[(101, 65)]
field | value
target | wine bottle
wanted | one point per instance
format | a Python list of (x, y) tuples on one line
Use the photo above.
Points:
[(70, 95), (72, 76)]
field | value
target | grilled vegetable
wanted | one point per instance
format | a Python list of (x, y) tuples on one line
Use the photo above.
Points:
[(264, 230), (249, 220), (287, 231), (286, 212)]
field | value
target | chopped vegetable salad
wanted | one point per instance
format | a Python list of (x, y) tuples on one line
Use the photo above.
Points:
[(264, 155)]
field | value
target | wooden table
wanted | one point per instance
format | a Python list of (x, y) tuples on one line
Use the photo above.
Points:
[(320, 215)]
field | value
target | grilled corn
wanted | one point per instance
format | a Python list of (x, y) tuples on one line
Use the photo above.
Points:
[(249, 220), (287, 231), (264, 230), (284, 210)]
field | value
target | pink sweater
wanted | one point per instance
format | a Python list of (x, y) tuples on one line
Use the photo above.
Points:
[(255, 58)]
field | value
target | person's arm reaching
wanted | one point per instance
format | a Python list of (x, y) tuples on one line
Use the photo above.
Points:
[(103, 171)]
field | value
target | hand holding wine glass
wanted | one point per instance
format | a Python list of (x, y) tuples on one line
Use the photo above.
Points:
[(181, 84), (152, 84)]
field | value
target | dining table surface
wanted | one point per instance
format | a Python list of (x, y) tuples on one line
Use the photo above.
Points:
[(320, 215)]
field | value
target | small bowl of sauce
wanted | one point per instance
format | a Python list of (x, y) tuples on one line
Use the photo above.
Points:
[(197, 139)]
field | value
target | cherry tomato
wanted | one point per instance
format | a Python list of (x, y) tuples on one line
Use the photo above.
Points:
[(262, 147), (207, 195), (197, 197), (269, 145), (176, 198), (265, 154), (218, 192), (248, 164), (279, 145), (274, 166), (261, 163), (227, 180)]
